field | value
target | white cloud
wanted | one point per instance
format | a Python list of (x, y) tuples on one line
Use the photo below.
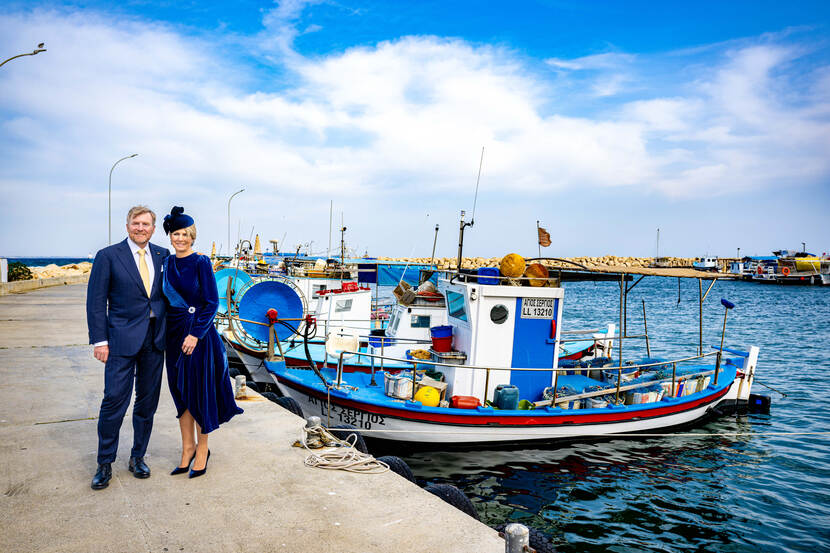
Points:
[(371, 125)]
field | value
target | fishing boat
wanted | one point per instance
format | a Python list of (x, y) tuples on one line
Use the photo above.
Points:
[(503, 380), (343, 311), (706, 263), (792, 267)]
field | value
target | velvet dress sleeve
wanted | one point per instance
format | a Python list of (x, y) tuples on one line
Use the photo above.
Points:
[(205, 314)]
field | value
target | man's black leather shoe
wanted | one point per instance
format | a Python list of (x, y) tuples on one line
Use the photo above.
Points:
[(139, 468), (102, 476)]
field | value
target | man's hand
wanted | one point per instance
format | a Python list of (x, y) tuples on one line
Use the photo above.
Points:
[(102, 353), (189, 344)]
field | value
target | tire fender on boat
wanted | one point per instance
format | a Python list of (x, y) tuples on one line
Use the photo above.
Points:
[(398, 466), (454, 497), (290, 404)]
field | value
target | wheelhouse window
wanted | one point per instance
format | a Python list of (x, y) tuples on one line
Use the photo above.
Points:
[(456, 306), (343, 305), (420, 321)]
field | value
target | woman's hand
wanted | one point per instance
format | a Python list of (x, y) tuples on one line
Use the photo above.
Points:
[(189, 344)]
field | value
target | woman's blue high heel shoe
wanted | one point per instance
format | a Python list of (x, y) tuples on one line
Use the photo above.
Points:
[(182, 470), (196, 473)]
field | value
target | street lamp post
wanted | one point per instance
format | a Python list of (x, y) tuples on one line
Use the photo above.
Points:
[(229, 219), (40, 48), (109, 199)]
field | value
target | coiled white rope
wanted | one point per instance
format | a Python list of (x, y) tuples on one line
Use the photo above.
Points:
[(340, 455)]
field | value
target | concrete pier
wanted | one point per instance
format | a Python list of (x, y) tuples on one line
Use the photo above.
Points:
[(257, 495)]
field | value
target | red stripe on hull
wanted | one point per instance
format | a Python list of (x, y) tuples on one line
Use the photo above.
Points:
[(482, 420)]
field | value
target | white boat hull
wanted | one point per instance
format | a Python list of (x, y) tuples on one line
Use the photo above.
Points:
[(390, 427)]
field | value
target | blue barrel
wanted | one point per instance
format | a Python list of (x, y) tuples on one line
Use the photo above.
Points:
[(507, 396)]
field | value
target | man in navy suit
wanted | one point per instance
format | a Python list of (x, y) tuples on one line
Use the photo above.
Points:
[(125, 313)]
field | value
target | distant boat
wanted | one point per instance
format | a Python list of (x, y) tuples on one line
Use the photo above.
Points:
[(706, 264)]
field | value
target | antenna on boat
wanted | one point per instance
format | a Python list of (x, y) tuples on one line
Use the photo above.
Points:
[(342, 241), (657, 257), (472, 219), (434, 241), (478, 178), (331, 212)]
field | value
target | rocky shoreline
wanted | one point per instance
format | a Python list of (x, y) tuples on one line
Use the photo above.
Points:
[(60, 271), (50, 275)]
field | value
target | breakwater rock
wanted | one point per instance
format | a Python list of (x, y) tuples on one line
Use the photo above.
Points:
[(56, 271), (589, 262), (50, 275)]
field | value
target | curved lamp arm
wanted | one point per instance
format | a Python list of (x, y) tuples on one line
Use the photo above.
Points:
[(40, 48)]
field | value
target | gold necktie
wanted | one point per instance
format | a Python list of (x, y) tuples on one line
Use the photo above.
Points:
[(144, 271)]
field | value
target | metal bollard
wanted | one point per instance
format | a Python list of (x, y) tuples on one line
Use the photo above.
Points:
[(240, 388), (313, 421), (516, 538)]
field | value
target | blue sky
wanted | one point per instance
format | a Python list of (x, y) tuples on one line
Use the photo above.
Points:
[(604, 120)]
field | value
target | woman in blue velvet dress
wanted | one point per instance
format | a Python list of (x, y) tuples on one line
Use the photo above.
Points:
[(197, 367)]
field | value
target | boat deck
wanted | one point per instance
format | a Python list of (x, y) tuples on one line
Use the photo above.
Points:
[(360, 388)]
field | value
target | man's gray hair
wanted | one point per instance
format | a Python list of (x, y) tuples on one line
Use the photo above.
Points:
[(140, 210)]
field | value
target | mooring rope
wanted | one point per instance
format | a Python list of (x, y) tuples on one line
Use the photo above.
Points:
[(342, 454), (770, 387)]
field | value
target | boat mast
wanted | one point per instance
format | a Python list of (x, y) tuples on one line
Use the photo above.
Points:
[(331, 211), (472, 219), (342, 241), (656, 259), (434, 241)]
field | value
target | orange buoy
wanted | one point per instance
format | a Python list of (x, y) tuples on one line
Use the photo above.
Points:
[(786, 271), (537, 274), (512, 265)]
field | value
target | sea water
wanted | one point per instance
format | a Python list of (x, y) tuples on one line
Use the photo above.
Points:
[(44, 261), (765, 489)]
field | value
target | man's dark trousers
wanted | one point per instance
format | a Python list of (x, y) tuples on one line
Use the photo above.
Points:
[(145, 367)]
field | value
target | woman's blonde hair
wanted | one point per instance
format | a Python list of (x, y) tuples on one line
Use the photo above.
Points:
[(191, 232)]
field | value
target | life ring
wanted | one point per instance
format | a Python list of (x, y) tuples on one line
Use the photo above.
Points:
[(760, 270), (785, 271)]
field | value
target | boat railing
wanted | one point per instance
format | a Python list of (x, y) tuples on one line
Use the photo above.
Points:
[(619, 387), (587, 331)]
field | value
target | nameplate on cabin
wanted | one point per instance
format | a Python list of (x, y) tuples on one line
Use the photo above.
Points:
[(537, 308)]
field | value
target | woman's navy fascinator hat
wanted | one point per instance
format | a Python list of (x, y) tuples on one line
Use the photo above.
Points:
[(177, 220)]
